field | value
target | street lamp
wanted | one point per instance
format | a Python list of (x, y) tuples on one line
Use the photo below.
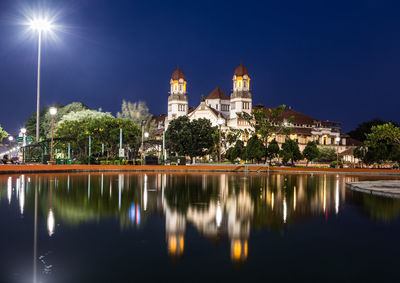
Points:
[(23, 131), (10, 139), (39, 25), (53, 112), (220, 121), (337, 139), (141, 156)]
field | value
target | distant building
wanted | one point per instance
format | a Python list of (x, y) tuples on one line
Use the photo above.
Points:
[(218, 105)]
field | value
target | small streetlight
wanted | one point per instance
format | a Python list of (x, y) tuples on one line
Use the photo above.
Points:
[(337, 139), (39, 25), (220, 122), (10, 139), (23, 131), (143, 124), (53, 112)]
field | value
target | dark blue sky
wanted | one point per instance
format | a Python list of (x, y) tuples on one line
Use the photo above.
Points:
[(334, 60)]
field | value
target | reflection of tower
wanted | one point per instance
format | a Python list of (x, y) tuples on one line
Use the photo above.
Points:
[(240, 212), (175, 225)]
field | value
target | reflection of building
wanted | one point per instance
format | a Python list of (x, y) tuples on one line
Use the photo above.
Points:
[(175, 225)]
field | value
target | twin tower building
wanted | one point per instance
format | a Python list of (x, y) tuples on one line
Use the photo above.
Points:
[(217, 105)]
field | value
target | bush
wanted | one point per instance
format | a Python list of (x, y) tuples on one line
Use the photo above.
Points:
[(138, 162), (103, 162), (116, 162), (334, 163), (173, 163)]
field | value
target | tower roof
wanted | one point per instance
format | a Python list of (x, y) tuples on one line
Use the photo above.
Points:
[(241, 70), (217, 93), (178, 74)]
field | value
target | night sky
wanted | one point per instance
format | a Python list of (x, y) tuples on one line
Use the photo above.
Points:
[(333, 60)]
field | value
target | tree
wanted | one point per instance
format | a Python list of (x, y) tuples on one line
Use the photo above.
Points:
[(3, 134), (266, 123), (190, 138), (103, 130), (363, 129), (326, 154), (255, 149), (290, 151), (138, 112), (273, 150), (389, 133), (45, 118), (311, 151)]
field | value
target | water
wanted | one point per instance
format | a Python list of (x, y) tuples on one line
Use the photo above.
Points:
[(194, 228)]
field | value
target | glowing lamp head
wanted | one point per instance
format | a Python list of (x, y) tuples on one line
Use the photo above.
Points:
[(337, 139), (220, 121), (10, 138), (53, 111), (146, 135), (40, 25), (23, 130)]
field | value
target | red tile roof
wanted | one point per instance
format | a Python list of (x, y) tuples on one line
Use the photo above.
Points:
[(241, 70), (217, 93), (178, 74)]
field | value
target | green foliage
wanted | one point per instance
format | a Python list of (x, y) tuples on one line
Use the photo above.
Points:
[(82, 115), (190, 138), (363, 129), (382, 144), (273, 150), (255, 149), (44, 124), (3, 134), (266, 124), (290, 151), (103, 130), (237, 151), (326, 154), (334, 164), (137, 112), (388, 133), (311, 151)]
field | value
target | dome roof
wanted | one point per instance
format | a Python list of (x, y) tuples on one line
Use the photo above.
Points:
[(178, 74), (241, 70)]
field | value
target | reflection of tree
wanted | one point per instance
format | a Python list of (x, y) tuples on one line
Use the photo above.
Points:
[(377, 207), (218, 205)]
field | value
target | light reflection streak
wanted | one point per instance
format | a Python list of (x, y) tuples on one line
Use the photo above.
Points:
[(145, 193), (284, 209), (9, 189), (337, 197), (218, 215)]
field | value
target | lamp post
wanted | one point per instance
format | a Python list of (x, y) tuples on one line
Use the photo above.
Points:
[(10, 139), (23, 131), (146, 135), (220, 121), (53, 112), (337, 139), (40, 25), (141, 155)]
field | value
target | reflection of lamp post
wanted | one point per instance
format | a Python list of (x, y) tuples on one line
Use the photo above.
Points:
[(23, 131), (220, 121), (337, 151), (39, 25), (53, 112)]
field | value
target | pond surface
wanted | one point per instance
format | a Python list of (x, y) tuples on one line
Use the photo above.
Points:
[(156, 227)]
